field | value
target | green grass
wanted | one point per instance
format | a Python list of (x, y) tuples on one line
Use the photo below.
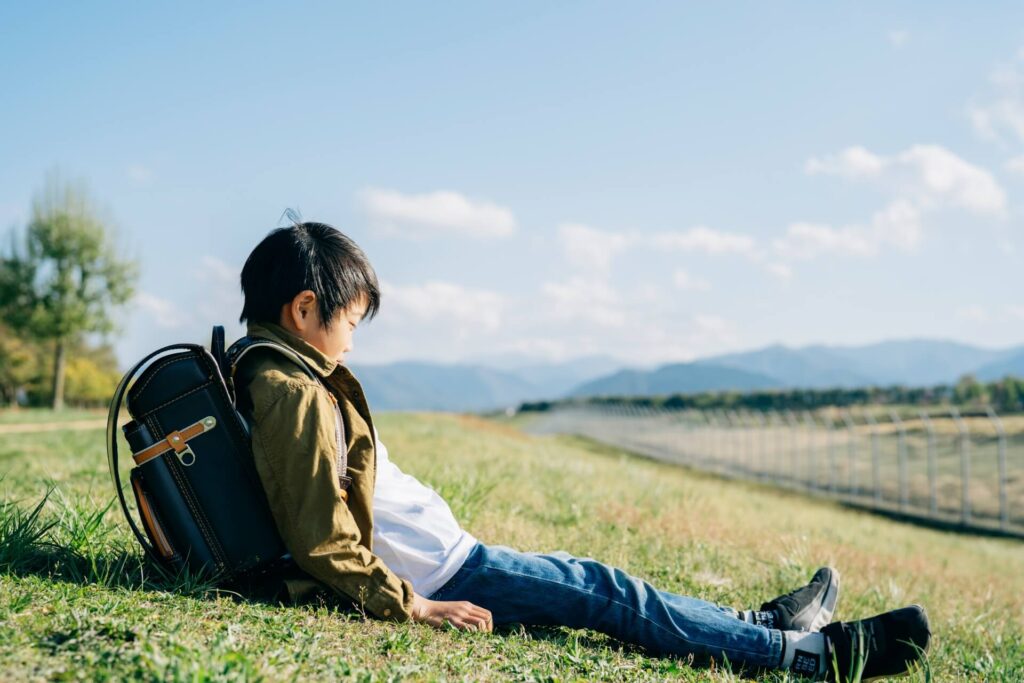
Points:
[(38, 415), (77, 602)]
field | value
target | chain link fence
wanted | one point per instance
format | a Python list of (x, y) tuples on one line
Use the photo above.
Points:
[(964, 470)]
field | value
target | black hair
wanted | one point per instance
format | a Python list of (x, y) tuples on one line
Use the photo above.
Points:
[(313, 256)]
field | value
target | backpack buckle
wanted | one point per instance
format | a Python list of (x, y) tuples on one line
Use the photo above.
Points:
[(186, 456)]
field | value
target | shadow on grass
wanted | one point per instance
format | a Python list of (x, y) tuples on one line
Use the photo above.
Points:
[(72, 544)]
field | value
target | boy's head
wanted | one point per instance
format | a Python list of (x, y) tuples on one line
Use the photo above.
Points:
[(312, 280)]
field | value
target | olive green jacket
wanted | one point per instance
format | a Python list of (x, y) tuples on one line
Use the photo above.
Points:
[(296, 455)]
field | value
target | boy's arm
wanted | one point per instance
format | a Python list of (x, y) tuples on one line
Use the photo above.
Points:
[(294, 450)]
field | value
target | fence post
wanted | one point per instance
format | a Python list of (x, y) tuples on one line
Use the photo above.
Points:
[(777, 429), (724, 441), (735, 440), (901, 455), (1004, 503), (794, 432), (851, 451), (811, 472), (747, 425), (685, 434), (704, 455), (762, 450), (933, 467), (876, 471), (714, 438), (965, 465), (830, 447)]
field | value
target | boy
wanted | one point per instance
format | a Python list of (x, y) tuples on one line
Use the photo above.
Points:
[(353, 522)]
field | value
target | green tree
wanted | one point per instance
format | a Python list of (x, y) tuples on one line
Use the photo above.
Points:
[(18, 365), (969, 391), (66, 278)]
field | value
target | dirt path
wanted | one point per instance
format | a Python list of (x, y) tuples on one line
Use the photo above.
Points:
[(52, 426)]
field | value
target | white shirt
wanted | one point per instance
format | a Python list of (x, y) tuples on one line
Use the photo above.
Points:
[(414, 530)]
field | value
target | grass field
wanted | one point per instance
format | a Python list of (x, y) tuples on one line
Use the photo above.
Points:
[(77, 602), (839, 460), (37, 415)]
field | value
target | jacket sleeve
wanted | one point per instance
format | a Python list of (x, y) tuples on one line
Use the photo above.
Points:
[(294, 449)]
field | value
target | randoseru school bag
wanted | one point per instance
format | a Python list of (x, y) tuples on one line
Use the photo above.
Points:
[(196, 489)]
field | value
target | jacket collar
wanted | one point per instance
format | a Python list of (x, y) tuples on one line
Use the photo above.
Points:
[(313, 356)]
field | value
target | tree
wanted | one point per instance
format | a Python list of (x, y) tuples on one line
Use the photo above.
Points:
[(969, 391), (66, 279), (18, 365)]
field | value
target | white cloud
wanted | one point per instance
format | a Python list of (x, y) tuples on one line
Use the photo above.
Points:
[(712, 330), (683, 280), (162, 312), (779, 270), (1015, 165), (898, 37), (219, 272), (929, 175), (432, 213), (701, 238), (852, 162), (471, 309), (1002, 110), (946, 175), (546, 348), (807, 240), (897, 225), (590, 248), (220, 301), (585, 299), (1015, 312)]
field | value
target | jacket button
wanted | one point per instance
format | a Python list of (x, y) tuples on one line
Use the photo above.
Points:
[(387, 612)]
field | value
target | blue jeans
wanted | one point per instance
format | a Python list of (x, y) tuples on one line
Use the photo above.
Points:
[(559, 589)]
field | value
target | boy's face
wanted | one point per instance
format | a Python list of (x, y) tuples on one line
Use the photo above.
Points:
[(302, 318)]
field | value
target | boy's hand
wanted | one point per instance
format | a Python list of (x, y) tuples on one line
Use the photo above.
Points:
[(462, 615)]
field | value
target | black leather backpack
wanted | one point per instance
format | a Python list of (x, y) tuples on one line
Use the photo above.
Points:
[(196, 489)]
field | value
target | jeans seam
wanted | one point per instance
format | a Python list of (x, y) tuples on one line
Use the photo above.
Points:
[(627, 606)]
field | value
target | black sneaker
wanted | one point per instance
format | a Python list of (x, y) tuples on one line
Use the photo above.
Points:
[(888, 644), (808, 608)]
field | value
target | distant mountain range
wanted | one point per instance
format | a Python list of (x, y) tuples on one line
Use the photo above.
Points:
[(492, 382), (503, 381)]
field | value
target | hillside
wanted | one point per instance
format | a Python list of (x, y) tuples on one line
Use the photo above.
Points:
[(430, 386), (79, 608), (503, 380), (675, 378), (911, 362)]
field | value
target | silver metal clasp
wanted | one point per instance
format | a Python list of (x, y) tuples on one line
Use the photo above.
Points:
[(186, 457)]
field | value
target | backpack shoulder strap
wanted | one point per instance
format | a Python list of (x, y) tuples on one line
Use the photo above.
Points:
[(217, 347), (246, 344), (240, 348)]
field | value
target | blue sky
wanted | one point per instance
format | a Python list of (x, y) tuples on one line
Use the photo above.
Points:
[(653, 181)]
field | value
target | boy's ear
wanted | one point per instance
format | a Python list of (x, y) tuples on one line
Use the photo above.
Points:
[(301, 311)]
